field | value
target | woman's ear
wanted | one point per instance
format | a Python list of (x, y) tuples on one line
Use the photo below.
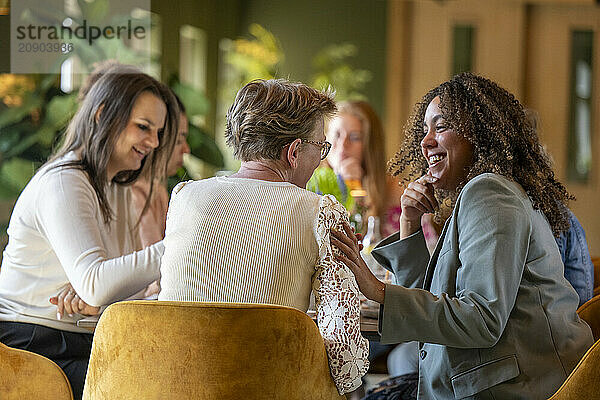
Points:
[(97, 115), (292, 153)]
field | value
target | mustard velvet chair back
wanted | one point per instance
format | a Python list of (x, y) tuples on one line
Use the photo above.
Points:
[(584, 381), (25, 375), (590, 313), (596, 262), (187, 350)]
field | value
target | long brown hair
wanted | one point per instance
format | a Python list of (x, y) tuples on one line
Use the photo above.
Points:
[(99, 121), (373, 153), (504, 139)]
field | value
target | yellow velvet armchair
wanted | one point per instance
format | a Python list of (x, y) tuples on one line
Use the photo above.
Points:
[(28, 376), (590, 313), (186, 350), (596, 262), (584, 381)]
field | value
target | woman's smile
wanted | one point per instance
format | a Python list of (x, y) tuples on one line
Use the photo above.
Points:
[(448, 154), (141, 135)]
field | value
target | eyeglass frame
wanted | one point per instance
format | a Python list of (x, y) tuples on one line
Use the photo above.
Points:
[(324, 145)]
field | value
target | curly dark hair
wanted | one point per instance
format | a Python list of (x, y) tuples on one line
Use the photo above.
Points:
[(504, 139)]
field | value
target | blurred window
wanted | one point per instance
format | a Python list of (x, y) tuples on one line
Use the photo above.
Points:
[(155, 45), (463, 39), (192, 57), (580, 120)]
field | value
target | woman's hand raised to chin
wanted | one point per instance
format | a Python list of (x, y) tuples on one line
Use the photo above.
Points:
[(418, 198), (347, 243), (69, 302)]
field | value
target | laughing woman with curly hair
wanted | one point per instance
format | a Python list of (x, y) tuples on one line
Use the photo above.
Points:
[(491, 308)]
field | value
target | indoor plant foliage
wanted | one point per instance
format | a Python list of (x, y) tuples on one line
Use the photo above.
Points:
[(261, 56), (257, 56), (333, 69), (33, 113), (203, 147)]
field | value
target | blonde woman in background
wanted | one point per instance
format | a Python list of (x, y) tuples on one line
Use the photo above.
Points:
[(358, 155)]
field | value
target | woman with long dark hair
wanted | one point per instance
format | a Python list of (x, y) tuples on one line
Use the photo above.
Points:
[(73, 229)]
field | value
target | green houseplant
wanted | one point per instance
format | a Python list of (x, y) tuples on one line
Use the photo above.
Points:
[(332, 68)]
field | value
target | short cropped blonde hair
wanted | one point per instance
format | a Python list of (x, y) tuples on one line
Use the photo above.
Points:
[(269, 114)]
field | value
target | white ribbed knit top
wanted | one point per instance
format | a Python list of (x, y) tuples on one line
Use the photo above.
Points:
[(57, 235), (254, 241)]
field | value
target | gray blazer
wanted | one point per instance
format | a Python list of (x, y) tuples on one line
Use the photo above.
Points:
[(492, 309)]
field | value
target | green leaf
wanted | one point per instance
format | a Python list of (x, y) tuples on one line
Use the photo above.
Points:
[(7, 192), (23, 140), (14, 176), (88, 54), (9, 138), (3, 226), (325, 181), (94, 11), (60, 110), (267, 40), (331, 56), (204, 147), (333, 68), (15, 114), (48, 15), (48, 81), (43, 136), (194, 100)]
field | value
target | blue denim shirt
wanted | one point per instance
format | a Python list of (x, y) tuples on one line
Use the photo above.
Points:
[(579, 269)]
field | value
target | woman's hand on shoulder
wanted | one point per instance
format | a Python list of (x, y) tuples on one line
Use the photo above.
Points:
[(348, 244), (69, 302), (418, 198)]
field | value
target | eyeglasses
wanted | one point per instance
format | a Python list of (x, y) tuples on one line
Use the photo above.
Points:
[(325, 147)]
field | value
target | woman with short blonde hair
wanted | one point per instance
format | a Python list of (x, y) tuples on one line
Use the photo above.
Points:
[(258, 236)]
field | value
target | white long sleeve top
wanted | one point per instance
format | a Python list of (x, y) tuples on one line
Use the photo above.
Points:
[(57, 236), (254, 241)]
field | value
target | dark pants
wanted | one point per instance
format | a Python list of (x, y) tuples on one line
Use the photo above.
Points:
[(403, 387), (69, 350)]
